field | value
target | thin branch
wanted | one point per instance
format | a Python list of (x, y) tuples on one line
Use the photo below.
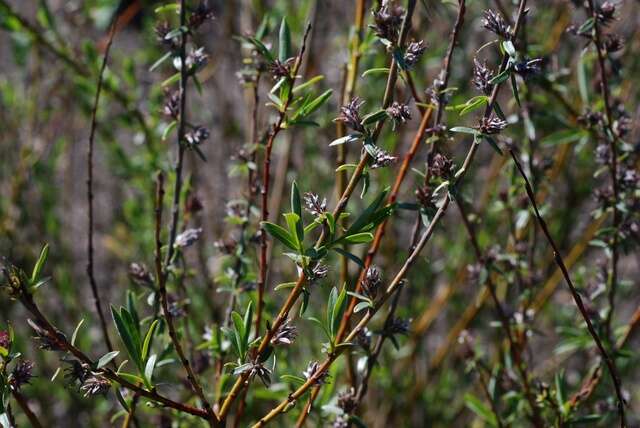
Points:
[(576, 296), (162, 291), (94, 124), (613, 163), (60, 341), (266, 182), (24, 405)]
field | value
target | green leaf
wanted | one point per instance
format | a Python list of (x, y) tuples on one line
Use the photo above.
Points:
[(493, 144), (509, 48), (150, 366), (473, 104), (308, 83), (357, 238), (586, 26), (74, 336), (131, 308), (261, 48), (167, 129), (374, 117), (281, 234), (171, 80), (297, 380), (248, 316), (351, 138), (464, 130), (514, 88), (500, 77), (37, 269), (126, 331), (583, 85), (338, 311), (361, 306), (365, 217), (322, 325), (312, 106), (478, 407), (284, 41), (106, 359), (380, 70), (350, 256), (146, 344), (296, 205), (294, 223), (136, 380), (564, 136), (284, 286), (162, 59), (331, 304)]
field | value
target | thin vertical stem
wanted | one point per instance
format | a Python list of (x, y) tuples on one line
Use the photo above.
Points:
[(613, 162), (576, 296), (24, 405), (266, 182), (90, 195), (163, 271)]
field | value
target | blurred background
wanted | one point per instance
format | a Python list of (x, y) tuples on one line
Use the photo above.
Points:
[(50, 53)]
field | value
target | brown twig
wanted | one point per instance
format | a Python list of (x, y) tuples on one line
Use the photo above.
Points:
[(266, 182), (94, 124), (61, 342), (162, 291), (576, 296), (24, 405), (613, 163)]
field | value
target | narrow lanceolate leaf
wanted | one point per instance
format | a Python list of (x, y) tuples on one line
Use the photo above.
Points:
[(514, 88), (126, 334), (307, 84), (358, 238), (493, 144), (331, 304), (284, 41), (374, 117), (74, 336), (238, 334), (351, 138), (146, 344), (350, 256), (294, 222), (501, 77), (312, 105), (296, 205), (366, 215), (480, 409), (37, 269), (261, 48), (338, 310), (464, 130), (248, 316), (106, 358), (149, 367), (281, 234)]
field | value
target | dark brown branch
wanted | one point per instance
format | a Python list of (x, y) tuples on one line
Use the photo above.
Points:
[(24, 405), (94, 124), (574, 293)]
